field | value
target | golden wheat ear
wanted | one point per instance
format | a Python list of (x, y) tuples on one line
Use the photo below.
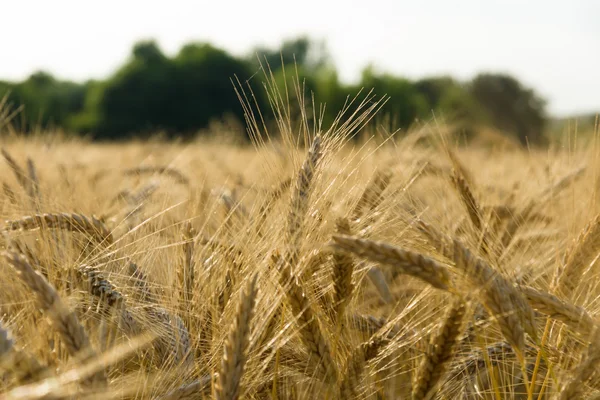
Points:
[(318, 347), (406, 262), (355, 366), (234, 354), (91, 226), (300, 201), (62, 319), (431, 372)]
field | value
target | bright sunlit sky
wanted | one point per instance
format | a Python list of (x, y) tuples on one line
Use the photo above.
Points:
[(552, 46)]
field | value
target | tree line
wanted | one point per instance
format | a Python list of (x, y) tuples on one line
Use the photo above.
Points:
[(182, 94)]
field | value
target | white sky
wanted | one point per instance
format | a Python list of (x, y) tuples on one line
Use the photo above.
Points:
[(552, 46)]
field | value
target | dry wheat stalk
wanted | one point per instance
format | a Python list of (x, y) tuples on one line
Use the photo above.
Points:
[(18, 172), (72, 222), (64, 321), (502, 300), (553, 189), (371, 325), (186, 270), (405, 261), (457, 165), (441, 351), (355, 366), (310, 330), (516, 222), (234, 354)]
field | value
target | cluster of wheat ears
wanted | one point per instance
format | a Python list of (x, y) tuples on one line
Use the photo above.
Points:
[(394, 269)]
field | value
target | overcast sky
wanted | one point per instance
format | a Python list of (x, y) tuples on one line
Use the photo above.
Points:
[(552, 46)]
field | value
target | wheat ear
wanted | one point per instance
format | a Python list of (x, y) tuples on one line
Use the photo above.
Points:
[(234, 354), (502, 300), (406, 262), (17, 171), (186, 270), (310, 330), (582, 251), (355, 366), (72, 222), (177, 175), (300, 202), (441, 351), (575, 317), (64, 321), (468, 199)]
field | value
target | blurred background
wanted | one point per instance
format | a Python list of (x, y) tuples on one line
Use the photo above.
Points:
[(115, 69)]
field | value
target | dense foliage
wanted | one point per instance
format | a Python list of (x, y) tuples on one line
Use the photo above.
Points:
[(182, 94)]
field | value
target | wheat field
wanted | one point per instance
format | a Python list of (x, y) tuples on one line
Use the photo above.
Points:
[(389, 268)]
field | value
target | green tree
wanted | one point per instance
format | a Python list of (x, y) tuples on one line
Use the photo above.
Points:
[(308, 54), (152, 92), (510, 106), (45, 100), (202, 86), (405, 103)]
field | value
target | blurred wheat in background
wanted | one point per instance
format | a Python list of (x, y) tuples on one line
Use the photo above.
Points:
[(311, 265)]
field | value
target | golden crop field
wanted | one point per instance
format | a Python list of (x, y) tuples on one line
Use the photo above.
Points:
[(397, 268)]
